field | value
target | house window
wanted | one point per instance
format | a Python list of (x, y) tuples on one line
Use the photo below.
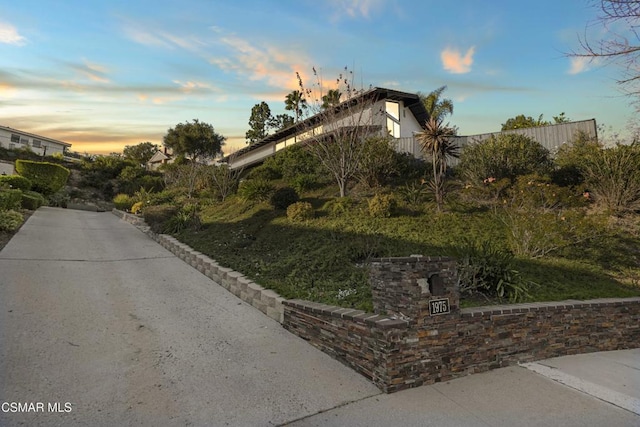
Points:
[(393, 127), (393, 118), (393, 109), (15, 138), (36, 143), (24, 141), (12, 146)]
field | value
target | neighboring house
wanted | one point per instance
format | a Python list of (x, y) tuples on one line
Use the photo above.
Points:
[(158, 159), (14, 138), (399, 114)]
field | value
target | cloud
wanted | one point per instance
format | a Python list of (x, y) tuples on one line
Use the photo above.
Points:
[(579, 64), (356, 8), (456, 63), (162, 39), (9, 35)]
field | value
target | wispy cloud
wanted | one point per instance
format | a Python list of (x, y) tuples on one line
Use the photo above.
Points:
[(356, 8), (579, 64), (9, 35), (455, 62), (162, 39)]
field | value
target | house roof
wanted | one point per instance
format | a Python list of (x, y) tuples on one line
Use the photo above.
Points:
[(33, 135), (159, 156), (410, 100)]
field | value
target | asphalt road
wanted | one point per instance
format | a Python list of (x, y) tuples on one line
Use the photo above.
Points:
[(101, 326)]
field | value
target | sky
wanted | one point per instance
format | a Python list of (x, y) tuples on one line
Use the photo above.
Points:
[(105, 74)]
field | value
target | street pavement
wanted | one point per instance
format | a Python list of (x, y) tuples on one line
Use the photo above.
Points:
[(99, 325)]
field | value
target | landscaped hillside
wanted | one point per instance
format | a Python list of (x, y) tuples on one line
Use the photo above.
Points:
[(523, 227)]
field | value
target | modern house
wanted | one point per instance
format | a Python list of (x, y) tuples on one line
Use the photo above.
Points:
[(388, 112), (381, 111), (14, 138)]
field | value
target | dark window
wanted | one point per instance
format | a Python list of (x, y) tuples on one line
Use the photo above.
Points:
[(15, 138)]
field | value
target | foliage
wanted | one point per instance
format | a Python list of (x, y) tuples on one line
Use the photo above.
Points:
[(255, 190), (339, 206), (157, 217), (137, 207), (141, 153), (382, 206), (377, 163), (15, 181), (32, 200), (10, 220), (10, 199), (570, 159), (264, 172), (435, 141), (489, 270), (531, 192), (296, 102), (436, 107), (224, 180), (300, 211), (191, 177), (283, 197), (521, 121), (613, 176), (58, 199), (186, 217), (412, 193), (304, 182), (195, 140), (123, 202), (504, 156), (259, 123), (331, 99), (292, 162), (46, 178)]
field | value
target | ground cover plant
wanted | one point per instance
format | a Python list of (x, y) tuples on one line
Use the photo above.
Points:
[(523, 235)]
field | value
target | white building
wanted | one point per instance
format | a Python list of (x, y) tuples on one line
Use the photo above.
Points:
[(14, 139)]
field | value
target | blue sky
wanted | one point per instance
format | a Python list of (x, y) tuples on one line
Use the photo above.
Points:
[(105, 74)]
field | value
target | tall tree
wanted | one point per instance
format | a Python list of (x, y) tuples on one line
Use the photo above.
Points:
[(296, 102), (521, 122), (435, 105), (331, 99), (259, 123), (140, 153), (282, 121), (195, 140), (436, 143)]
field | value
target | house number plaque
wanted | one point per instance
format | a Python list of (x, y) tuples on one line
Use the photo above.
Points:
[(439, 306)]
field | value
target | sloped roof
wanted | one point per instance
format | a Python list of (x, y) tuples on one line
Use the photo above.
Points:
[(33, 135)]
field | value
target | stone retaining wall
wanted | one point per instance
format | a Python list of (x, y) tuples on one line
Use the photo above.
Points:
[(428, 348), (265, 300)]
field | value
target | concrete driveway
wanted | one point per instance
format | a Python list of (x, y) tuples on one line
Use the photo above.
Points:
[(99, 325)]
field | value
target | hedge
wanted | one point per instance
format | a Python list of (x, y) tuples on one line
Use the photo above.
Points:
[(32, 200), (47, 178), (10, 199), (15, 181)]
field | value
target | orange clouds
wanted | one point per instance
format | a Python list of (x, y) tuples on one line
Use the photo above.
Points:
[(455, 62)]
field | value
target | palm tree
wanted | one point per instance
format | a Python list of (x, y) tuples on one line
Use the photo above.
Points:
[(295, 102), (436, 107), (435, 141), (331, 99)]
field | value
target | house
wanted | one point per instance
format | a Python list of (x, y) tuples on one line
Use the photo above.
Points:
[(385, 111), (158, 159), (14, 138)]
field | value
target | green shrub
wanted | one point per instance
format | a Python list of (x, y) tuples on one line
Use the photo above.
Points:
[(15, 181), (382, 206), (255, 190), (136, 208), (300, 211), (10, 220), (264, 172), (304, 182), (10, 199), (181, 220), (283, 197), (413, 194), (59, 199), (32, 200), (339, 206), (293, 161), (157, 217), (123, 202), (538, 192), (46, 178), (504, 156), (489, 270)]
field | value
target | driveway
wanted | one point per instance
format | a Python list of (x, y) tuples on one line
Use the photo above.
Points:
[(99, 325)]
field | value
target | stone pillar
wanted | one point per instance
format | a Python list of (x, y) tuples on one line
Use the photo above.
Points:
[(414, 287)]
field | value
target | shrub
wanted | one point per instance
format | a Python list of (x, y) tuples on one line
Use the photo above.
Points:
[(304, 182), (32, 200), (10, 199), (59, 199), (15, 181), (413, 194), (488, 270), (538, 192), (136, 208), (293, 161), (382, 206), (46, 178), (339, 206), (377, 162), (300, 211), (504, 156), (10, 220), (124, 202), (283, 197), (264, 172), (157, 217), (184, 218), (255, 190)]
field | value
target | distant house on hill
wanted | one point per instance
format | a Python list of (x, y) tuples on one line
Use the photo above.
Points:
[(161, 157), (398, 114), (13, 138)]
